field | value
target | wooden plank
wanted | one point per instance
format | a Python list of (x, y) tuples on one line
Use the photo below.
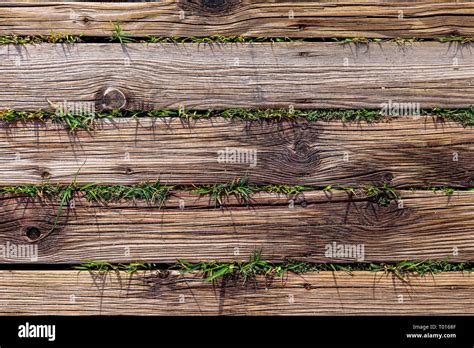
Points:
[(422, 19), (426, 226), (261, 75), (406, 152), (325, 293)]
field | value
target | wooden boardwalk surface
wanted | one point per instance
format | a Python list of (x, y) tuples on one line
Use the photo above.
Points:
[(361, 18), (325, 293), (253, 75), (424, 226), (407, 152), (432, 68)]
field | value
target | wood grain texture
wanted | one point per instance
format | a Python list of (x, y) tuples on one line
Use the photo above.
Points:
[(325, 293), (427, 226), (262, 75), (406, 152), (330, 19)]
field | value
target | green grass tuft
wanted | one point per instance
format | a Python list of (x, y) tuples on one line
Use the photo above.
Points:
[(69, 120), (357, 40), (105, 267), (244, 270), (382, 195), (219, 193), (462, 116), (457, 39), (86, 121), (256, 266), (54, 37), (282, 189), (95, 266), (154, 193), (118, 35), (401, 41), (215, 39)]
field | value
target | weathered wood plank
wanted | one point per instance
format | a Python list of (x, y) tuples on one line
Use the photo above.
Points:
[(421, 19), (406, 152), (265, 75), (325, 293), (426, 226)]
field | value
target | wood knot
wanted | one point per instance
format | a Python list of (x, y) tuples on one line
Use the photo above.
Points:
[(303, 157), (113, 98), (383, 177), (373, 214), (32, 233), (388, 177)]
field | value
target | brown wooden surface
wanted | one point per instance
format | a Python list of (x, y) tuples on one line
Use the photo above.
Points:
[(407, 152), (203, 76), (329, 19), (429, 226), (325, 293)]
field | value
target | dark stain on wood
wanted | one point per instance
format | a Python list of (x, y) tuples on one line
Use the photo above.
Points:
[(210, 7)]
